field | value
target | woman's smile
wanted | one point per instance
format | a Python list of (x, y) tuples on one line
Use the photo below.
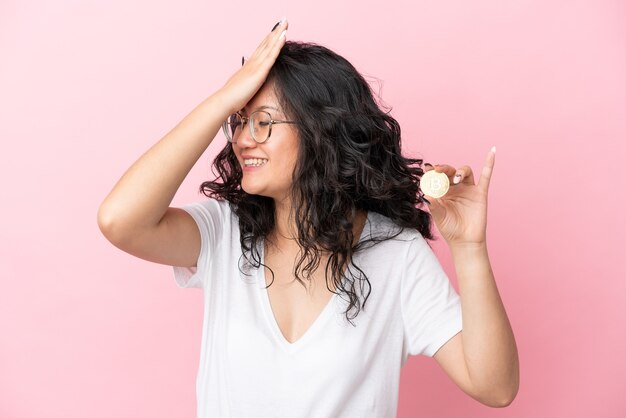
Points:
[(254, 163)]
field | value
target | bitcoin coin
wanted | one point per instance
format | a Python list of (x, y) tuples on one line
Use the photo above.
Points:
[(434, 184)]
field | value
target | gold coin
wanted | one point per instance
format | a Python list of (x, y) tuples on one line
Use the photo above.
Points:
[(434, 184)]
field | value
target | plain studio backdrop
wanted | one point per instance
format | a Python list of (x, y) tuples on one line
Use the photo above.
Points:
[(87, 330)]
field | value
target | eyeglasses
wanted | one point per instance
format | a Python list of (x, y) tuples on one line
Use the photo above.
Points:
[(260, 126)]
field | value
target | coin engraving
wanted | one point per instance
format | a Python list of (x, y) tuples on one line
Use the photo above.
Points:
[(434, 184)]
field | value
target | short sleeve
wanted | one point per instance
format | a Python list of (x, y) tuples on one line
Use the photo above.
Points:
[(210, 217), (431, 308)]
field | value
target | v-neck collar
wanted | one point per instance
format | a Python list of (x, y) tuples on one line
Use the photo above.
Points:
[(269, 313)]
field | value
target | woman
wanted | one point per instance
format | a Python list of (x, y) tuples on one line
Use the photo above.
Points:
[(313, 213)]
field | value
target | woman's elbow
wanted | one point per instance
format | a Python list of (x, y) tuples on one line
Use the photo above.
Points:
[(501, 400)]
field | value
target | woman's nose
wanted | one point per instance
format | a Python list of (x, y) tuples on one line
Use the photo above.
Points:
[(245, 139)]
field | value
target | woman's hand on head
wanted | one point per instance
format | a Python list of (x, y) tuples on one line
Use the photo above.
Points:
[(244, 84)]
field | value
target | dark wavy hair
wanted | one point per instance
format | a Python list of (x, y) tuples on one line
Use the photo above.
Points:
[(349, 159)]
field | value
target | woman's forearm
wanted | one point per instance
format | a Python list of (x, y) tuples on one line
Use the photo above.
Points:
[(488, 342), (142, 195)]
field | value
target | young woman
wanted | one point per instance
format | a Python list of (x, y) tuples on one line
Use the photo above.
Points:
[(311, 247)]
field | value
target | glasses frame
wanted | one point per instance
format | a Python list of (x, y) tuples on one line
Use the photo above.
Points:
[(245, 120)]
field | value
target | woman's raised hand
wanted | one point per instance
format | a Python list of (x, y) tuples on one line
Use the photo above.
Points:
[(244, 84), (461, 214)]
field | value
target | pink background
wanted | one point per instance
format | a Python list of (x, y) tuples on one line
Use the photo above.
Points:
[(89, 331)]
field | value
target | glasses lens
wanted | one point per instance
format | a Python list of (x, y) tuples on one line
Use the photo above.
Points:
[(261, 125), (232, 127)]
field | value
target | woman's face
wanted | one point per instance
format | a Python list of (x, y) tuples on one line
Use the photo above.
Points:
[(273, 178)]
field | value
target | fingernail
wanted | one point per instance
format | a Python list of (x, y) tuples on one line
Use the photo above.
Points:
[(457, 178), (242, 60), (275, 26), (429, 164)]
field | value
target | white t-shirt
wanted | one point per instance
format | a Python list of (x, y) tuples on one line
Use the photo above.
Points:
[(248, 369)]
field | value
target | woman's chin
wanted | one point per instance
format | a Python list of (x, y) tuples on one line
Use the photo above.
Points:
[(252, 189)]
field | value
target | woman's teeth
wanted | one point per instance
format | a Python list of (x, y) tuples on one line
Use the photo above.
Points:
[(255, 161)]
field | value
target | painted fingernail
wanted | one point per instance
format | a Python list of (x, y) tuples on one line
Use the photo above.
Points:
[(275, 26), (457, 178), (429, 164)]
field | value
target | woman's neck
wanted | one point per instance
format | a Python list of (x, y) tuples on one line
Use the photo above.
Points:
[(284, 223), (285, 229)]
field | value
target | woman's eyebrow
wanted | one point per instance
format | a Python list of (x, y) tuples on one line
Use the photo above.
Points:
[(260, 108)]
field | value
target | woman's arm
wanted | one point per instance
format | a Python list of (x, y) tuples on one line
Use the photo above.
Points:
[(489, 346), (136, 216), (482, 359)]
